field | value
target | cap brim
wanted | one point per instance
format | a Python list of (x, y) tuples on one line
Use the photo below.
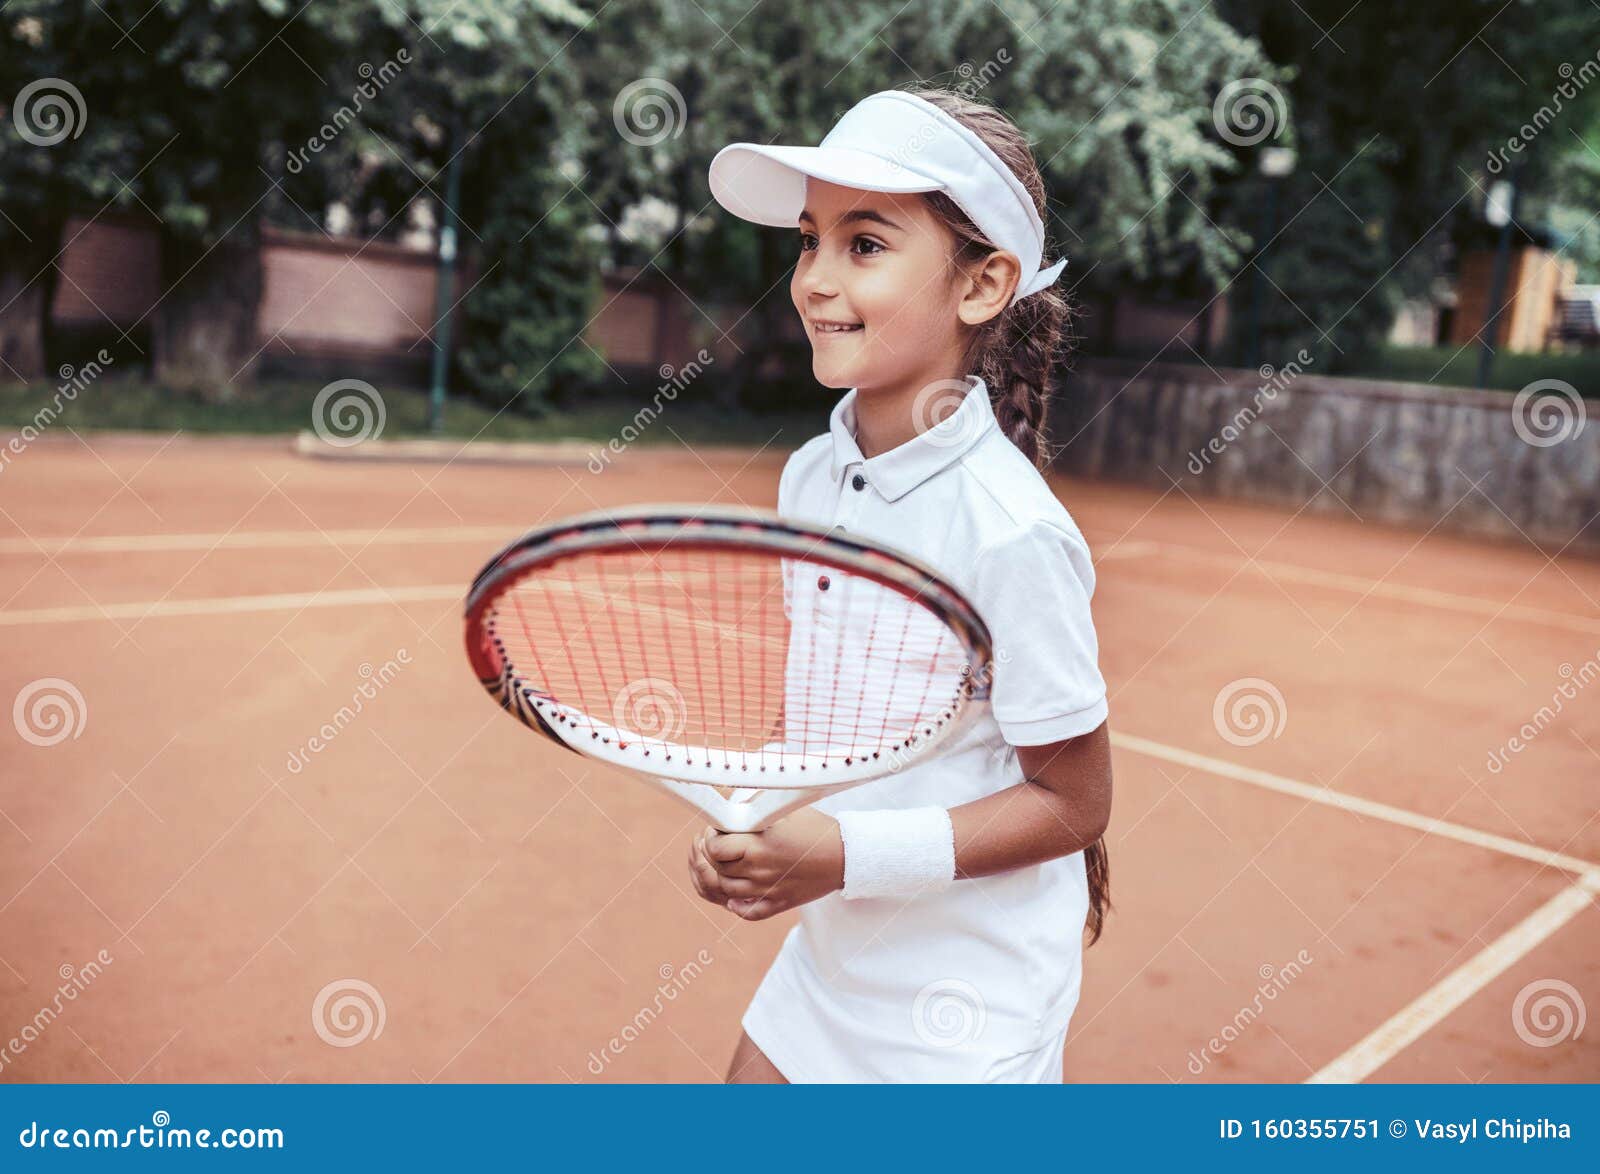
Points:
[(767, 185)]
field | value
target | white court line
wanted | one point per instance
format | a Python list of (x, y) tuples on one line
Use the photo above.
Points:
[(131, 543), (1445, 600), (250, 540), (444, 535), (1411, 1022), (233, 604), (1402, 1030), (1357, 805), (432, 593)]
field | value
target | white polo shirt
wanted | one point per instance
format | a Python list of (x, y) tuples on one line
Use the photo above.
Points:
[(977, 982)]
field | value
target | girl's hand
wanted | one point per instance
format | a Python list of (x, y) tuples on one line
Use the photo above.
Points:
[(797, 859), (706, 881)]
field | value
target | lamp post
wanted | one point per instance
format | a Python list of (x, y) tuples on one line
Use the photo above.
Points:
[(1274, 163), (1499, 209), (446, 284)]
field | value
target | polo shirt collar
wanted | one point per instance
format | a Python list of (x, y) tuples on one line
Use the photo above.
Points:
[(900, 470)]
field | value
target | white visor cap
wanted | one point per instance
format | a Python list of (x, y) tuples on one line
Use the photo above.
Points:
[(891, 142)]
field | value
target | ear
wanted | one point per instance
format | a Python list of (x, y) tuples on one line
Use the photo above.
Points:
[(991, 287)]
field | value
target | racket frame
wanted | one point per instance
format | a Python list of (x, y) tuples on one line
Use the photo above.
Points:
[(758, 796)]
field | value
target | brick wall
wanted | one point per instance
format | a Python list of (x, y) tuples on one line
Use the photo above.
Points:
[(326, 302), (331, 301), (110, 273), (327, 294)]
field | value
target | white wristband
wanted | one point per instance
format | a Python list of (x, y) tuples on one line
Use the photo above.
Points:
[(897, 853)]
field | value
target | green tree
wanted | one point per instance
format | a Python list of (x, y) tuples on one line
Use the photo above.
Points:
[(175, 102), (1116, 94), (1567, 197), (199, 112), (489, 86), (1396, 111), (56, 154)]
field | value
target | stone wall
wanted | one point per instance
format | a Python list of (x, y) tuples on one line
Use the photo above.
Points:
[(1520, 466)]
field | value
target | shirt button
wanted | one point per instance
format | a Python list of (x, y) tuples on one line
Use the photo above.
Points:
[(858, 482)]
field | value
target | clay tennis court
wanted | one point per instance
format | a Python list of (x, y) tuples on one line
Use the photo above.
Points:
[(434, 894)]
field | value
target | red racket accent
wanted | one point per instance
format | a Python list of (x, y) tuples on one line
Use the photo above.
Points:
[(733, 643)]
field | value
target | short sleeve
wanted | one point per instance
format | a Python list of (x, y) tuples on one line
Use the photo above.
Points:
[(1033, 590)]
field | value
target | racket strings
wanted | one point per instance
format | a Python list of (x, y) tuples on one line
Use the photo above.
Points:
[(758, 659)]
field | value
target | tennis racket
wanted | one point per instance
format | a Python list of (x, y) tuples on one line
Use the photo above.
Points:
[(739, 661)]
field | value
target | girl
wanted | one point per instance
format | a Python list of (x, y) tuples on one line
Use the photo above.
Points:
[(942, 909)]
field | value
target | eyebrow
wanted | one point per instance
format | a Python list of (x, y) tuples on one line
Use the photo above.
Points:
[(859, 214)]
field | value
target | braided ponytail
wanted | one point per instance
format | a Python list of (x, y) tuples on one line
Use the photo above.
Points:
[(1016, 351), (1017, 365), (1015, 354)]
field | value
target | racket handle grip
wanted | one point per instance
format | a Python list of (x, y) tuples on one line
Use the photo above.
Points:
[(749, 809)]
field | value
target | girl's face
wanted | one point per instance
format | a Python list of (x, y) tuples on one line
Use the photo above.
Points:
[(878, 265)]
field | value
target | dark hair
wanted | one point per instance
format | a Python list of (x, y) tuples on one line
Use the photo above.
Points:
[(1016, 351)]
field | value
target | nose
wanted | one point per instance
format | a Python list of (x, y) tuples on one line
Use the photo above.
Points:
[(817, 274)]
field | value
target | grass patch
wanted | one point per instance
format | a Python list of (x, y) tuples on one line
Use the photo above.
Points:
[(1453, 367), (285, 406), (1438, 366)]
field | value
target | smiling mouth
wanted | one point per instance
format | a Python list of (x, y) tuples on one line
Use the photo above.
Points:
[(836, 328)]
